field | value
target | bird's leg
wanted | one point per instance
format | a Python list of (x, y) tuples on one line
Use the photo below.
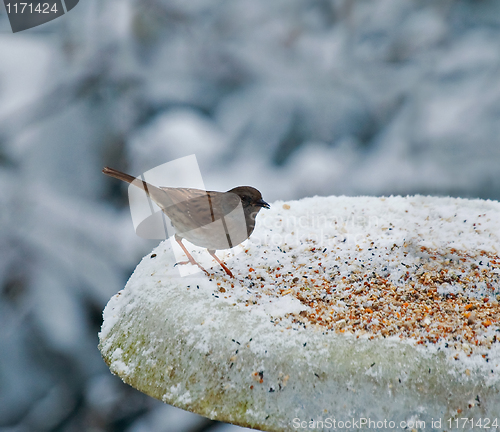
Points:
[(190, 258), (212, 252)]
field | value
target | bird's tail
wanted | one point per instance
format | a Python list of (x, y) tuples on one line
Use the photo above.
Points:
[(156, 194), (118, 174)]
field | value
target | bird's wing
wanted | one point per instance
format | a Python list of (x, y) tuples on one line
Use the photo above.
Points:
[(178, 195), (192, 208)]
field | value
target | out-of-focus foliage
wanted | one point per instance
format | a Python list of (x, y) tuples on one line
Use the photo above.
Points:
[(295, 97)]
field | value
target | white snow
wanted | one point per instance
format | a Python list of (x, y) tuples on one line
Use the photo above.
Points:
[(325, 248)]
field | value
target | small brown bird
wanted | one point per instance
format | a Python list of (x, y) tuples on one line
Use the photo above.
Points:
[(213, 220)]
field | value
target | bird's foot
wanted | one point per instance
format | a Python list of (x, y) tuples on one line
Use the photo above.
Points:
[(227, 270), (189, 257), (224, 266), (194, 263)]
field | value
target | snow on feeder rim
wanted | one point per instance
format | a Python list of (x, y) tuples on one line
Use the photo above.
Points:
[(341, 308)]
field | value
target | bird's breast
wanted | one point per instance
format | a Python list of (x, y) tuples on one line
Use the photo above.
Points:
[(225, 232)]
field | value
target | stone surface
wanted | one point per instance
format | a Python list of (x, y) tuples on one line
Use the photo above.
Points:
[(406, 289)]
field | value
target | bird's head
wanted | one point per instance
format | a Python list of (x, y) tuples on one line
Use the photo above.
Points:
[(251, 198)]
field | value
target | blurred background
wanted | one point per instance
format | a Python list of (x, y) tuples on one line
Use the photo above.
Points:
[(294, 97)]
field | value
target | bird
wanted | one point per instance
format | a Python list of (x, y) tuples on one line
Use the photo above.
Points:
[(209, 219)]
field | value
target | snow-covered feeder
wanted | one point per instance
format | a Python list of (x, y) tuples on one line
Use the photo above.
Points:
[(343, 311)]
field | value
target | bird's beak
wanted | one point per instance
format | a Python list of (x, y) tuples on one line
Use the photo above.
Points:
[(262, 203)]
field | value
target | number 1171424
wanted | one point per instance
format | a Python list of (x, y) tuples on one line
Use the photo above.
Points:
[(472, 423), (28, 8)]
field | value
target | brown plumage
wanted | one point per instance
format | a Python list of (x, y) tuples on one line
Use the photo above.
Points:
[(209, 219)]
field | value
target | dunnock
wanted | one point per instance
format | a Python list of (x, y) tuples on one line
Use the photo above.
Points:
[(213, 220)]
